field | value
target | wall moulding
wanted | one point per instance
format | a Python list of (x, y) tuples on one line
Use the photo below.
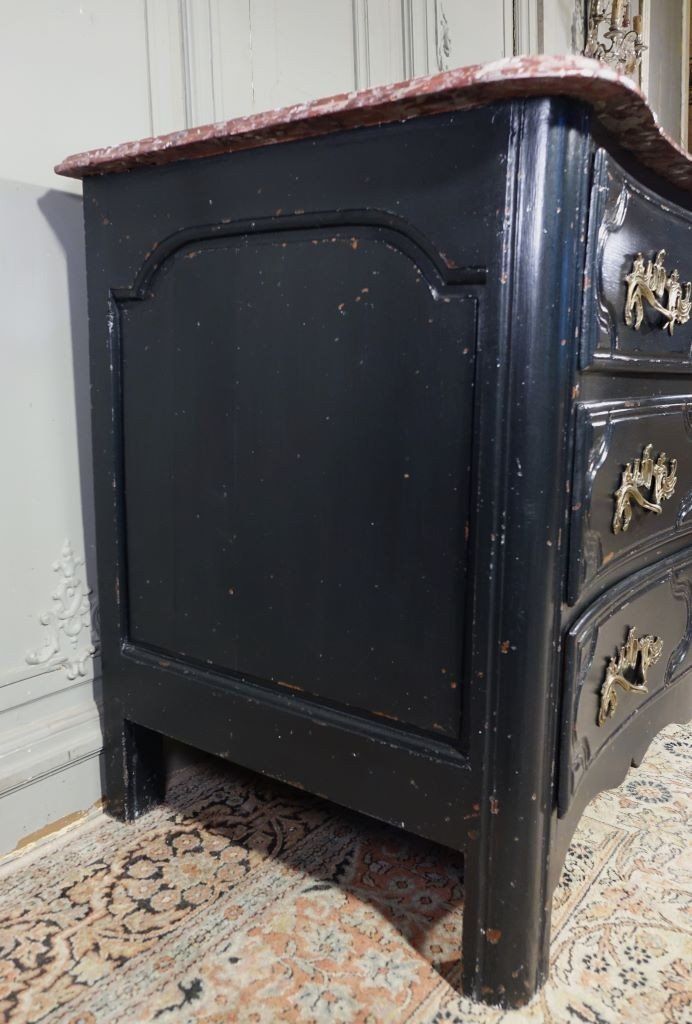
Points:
[(528, 27), (205, 57)]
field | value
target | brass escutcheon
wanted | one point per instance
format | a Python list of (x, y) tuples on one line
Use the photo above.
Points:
[(635, 656), (656, 476), (649, 283)]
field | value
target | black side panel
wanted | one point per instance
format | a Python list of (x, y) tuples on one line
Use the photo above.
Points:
[(297, 485), (228, 565)]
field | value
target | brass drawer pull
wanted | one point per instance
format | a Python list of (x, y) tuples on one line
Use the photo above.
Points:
[(657, 476), (649, 283), (634, 657)]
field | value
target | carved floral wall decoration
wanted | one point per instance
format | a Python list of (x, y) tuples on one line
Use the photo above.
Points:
[(72, 623)]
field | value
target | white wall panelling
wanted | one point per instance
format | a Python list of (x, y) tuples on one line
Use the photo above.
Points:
[(664, 72), (362, 76), (216, 59), (434, 35), (685, 74), (198, 62), (393, 39), (301, 50), (528, 26), (165, 66), (477, 32), (417, 38), (562, 26), (231, 57)]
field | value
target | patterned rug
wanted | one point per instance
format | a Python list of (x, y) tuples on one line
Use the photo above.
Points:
[(241, 900)]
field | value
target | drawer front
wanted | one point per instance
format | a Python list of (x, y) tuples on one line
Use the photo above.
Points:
[(623, 656), (632, 488), (638, 299)]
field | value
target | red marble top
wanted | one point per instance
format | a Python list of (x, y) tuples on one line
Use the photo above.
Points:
[(618, 104)]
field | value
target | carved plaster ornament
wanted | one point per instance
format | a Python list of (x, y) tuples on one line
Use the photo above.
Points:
[(71, 639)]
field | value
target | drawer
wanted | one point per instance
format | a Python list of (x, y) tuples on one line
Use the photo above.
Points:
[(627, 654), (632, 487), (637, 296)]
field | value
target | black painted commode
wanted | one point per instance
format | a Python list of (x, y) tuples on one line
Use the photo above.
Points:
[(392, 502)]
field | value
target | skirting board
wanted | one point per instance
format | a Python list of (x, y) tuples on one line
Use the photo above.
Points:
[(49, 773)]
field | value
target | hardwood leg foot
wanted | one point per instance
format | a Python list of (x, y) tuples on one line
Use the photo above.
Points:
[(506, 932), (134, 769)]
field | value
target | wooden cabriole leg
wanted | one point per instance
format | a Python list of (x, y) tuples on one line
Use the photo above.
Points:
[(134, 768)]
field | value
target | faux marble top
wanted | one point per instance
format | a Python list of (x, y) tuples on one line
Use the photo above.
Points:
[(618, 104)]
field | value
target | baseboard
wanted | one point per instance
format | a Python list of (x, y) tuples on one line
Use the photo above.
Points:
[(49, 772)]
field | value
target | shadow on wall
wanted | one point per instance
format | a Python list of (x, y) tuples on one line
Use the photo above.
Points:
[(64, 215), (50, 734)]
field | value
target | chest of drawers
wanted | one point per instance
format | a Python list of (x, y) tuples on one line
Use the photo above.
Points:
[(393, 461)]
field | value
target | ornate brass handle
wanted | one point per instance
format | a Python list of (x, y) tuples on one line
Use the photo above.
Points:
[(649, 283), (644, 472), (635, 656)]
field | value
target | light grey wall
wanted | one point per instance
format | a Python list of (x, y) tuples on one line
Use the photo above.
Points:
[(562, 20), (73, 75), (667, 26), (49, 716)]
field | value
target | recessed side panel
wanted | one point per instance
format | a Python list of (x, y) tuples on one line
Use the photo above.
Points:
[(297, 422)]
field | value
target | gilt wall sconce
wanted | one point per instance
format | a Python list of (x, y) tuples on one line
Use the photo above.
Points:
[(614, 35)]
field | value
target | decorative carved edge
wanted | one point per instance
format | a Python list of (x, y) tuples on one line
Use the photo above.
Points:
[(681, 587), (73, 618), (587, 539), (616, 204), (585, 656)]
